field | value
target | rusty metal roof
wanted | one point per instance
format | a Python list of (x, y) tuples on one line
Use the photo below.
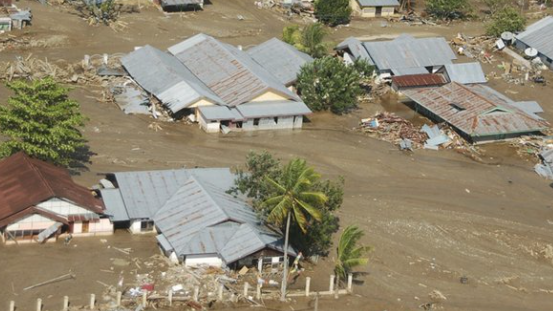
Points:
[(429, 79), (476, 110), (227, 71), (26, 182)]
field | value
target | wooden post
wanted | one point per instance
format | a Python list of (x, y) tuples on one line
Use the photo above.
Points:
[(307, 286), (118, 301), (350, 283), (317, 302), (246, 287), (12, 305), (145, 298), (65, 303), (92, 301), (260, 265), (331, 287), (38, 304), (258, 292), (196, 293), (220, 294), (170, 297)]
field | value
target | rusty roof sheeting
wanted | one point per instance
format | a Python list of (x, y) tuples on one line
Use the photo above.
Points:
[(476, 110), (26, 182), (429, 79)]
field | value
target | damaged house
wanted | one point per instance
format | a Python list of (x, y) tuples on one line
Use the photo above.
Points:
[(224, 88), (477, 112), (193, 216), (538, 36), (39, 200)]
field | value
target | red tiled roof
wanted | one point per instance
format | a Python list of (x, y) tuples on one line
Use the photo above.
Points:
[(429, 79), (26, 182)]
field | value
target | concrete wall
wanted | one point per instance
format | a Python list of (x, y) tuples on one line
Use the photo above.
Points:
[(95, 227), (210, 260), (136, 227), (31, 222), (282, 123), (209, 127), (371, 11), (269, 96), (62, 207)]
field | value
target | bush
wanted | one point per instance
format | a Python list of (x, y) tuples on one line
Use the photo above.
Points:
[(507, 19), (329, 84), (309, 40), (448, 9), (333, 12)]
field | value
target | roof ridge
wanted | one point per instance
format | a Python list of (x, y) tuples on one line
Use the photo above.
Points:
[(210, 197), (45, 182)]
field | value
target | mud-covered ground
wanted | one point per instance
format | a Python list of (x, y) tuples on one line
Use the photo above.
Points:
[(431, 217)]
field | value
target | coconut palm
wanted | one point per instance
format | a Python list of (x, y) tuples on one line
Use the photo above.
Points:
[(293, 200), (349, 255)]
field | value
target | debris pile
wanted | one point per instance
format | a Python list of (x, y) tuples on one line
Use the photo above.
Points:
[(541, 149), (475, 47)]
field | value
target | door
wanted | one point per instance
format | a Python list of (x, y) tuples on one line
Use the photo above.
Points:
[(85, 227), (378, 11)]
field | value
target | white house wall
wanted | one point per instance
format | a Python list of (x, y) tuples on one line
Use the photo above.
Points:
[(136, 227), (31, 222), (62, 207), (101, 226), (210, 260)]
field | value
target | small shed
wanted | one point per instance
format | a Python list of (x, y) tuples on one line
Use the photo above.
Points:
[(5, 24), (374, 8)]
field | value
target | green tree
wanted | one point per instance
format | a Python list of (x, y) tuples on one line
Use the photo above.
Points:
[(333, 12), (348, 254), (293, 200), (42, 121), (250, 181), (310, 39), (329, 84), (448, 9), (507, 19)]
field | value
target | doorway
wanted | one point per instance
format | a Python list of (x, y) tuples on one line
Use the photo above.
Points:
[(378, 11)]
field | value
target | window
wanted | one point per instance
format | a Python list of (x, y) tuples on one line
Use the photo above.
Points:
[(147, 225), (256, 122), (276, 120)]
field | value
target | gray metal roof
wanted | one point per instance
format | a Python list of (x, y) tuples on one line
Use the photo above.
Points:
[(162, 75), (467, 73), (378, 3), (200, 218), (539, 36), (218, 113), (227, 71), (280, 59), (405, 52), (165, 3), (115, 207), (273, 109), (356, 48), (410, 71), (532, 108), (145, 192)]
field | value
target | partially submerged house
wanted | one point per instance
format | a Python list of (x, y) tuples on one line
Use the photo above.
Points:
[(180, 5), (374, 8), (538, 36), (477, 112), (404, 55), (193, 216), (224, 87), (39, 200)]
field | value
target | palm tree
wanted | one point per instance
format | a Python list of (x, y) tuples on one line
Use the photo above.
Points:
[(313, 36), (349, 255), (293, 199)]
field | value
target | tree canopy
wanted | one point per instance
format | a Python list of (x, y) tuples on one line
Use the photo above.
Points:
[(251, 181), (506, 19), (309, 39), (329, 84), (348, 254), (333, 12), (448, 9), (42, 121)]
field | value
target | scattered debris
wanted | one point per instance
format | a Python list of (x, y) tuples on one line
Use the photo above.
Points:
[(58, 279), (436, 295)]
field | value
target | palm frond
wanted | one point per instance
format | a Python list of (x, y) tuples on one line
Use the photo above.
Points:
[(279, 213), (300, 218), (315, 213)]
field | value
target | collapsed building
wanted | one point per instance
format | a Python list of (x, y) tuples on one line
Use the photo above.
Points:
[(193, 216), (222, 87), (39, 200)]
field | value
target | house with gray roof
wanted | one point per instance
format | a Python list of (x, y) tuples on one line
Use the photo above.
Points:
[(540, 37), (211, 80), (374, 8), (192, 215), (180, 5)]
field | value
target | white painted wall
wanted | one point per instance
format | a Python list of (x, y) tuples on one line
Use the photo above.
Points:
[(136, 227), (209, 127), (31, 222), (62, 207), (195, 260)]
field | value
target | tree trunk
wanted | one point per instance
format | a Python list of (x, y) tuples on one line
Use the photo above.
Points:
[(285, 270)]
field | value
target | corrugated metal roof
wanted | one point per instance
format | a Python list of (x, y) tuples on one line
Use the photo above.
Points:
[(280, 59), (145, 192), (429, 79), (364, 3), (162, 75), (530, 107), (217, 113), (409, 71), (408, 52), (476, 110), (273, 109), (26, 182), (115, 207), (467, 73), (539, 36), (227, 71), (356, 48)]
